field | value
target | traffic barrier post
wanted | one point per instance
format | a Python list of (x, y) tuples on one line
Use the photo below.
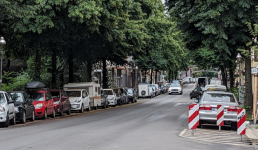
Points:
[(241, 126), (220, 116), (193, 120)]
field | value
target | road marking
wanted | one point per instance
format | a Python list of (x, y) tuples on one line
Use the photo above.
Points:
[(215, 136)]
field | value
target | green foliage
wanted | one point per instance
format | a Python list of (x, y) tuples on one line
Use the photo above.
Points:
[(16, 83), (235, 91)]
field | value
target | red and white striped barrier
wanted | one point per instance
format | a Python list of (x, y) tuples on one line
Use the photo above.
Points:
[(241, 126), (193, 120), (220, 115)]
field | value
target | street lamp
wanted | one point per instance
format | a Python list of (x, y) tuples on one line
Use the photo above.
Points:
[(136, 85), (239, 57), (2, 43)]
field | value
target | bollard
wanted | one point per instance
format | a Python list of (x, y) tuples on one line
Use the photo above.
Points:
[(193, 120)]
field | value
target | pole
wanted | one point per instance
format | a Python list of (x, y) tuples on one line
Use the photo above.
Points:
[(241, 138), (219, 128), (136, 84), (255, 97), (1, 70), (239, 74), (192, 132)]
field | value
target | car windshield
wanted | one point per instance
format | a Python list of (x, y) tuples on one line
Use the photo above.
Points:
[(17, 97), (36, 96), (108, 92), (130, 91), (175, 85), (216, 97), (2, 99), (55, 94), (203, 88), (175, 81), (73, 93)]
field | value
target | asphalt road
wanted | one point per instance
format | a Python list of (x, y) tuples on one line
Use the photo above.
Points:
[(150, 124)]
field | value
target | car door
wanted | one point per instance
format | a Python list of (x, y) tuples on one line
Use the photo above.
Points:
[(11, 105), (27, 105), (65, 100), (84, 99), (87, 97), (49, 103), (195, 93)]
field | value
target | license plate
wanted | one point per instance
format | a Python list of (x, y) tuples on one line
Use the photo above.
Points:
[(214, 109)]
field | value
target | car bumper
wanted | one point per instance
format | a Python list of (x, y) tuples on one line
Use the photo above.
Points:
[(39, 111), (76, 106), (112, 102), (171, 92), (211, 116), (58, 108), (2, 116)]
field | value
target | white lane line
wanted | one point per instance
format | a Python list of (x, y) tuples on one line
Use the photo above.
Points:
[(183, 132)]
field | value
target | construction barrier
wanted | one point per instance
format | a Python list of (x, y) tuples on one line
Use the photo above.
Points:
[(241, 126), (193, 120), (220, 115)]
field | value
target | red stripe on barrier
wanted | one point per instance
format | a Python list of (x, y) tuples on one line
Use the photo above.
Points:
[(191, 106), (243, 132), (191, 118), (220, 115)]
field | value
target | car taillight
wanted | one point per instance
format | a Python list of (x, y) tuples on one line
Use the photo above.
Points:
[(233, 108), (205, 107)]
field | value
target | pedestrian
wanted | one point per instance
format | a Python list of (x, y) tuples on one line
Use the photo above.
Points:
[(237, 84)]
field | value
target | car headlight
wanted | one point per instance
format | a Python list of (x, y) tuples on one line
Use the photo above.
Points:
[(40, 105), (78, 101), (57, 102), (2, 109)]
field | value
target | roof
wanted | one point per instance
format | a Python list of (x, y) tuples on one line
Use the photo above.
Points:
[(54, 90), (73, 89), (106, 89), (16, 92), (218, 92)]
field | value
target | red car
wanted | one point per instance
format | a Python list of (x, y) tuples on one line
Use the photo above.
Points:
[(43, 103), (61, 101)]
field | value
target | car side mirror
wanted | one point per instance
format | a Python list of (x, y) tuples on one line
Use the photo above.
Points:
[(10, 101), (196, 100)]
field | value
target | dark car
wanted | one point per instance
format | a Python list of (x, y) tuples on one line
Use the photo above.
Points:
[(131, 94), (119, 96), (124, 95), (61, 101), (104, 100), (24, 108), (196, 93)]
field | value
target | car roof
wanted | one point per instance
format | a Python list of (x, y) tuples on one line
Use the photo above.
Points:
[(106, 89), (218, 92), (16, 92)]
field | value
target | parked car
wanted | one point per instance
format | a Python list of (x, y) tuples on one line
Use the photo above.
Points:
[(162, 89), (24, 108), (61, 101), (104, 101), (79, 99), (175, 88), (157, 91), (111, 97), (131, 95), (145, 90), (7, 112), (119, 96), (42, 99), (151, 92), (124, 95), (196, 93), (208, 108)]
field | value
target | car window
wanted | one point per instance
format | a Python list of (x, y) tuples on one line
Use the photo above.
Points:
[(55, 94), (84, 93), (2, 99), (195, 90), (73, 93), (215, 97), (48, 96), (108, 92), (130, 91), (175, 85), (98, 90), (17, 97), (36, 96), (7, 97)]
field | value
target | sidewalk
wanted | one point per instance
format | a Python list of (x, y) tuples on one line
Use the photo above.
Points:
[(251, 132)]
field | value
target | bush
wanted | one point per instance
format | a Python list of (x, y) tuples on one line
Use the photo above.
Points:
[(15, 83)]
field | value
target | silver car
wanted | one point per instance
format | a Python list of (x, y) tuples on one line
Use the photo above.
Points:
[(175, 88), (208, 108)]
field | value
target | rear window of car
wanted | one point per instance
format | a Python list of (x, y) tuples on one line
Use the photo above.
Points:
[(17, 97), (108, 92), (55, 94), (216, 97), (73, 93), (130, 91), (36, 96), (175, 85)]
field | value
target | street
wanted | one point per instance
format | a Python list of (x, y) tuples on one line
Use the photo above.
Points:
[(157, 123)]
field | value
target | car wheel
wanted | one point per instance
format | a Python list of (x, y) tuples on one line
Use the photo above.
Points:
[(61, 111), (200, 124), (33, 116), (82, 109), (13, 121), (23, 118), (45, 115), (233, 126), (6, 123), (53, 113), (69, 111), (191, 97)]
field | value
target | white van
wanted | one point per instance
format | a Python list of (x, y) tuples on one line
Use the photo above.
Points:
[(145, 90)]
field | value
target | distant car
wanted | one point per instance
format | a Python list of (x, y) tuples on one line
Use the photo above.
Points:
[(196, 93), (111, 96), (119, 96), (157, 92), (7, 111), (175, 88), (215, 88), (61, 101), (131, 95), (151, 92), (24, 108), (208, 108)]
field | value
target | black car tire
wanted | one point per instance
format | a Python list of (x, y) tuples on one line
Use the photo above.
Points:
[(13, 121), (69, 111), (233, 126), (89, 109), (61, 111), (6, 123), (23, 118), (200, 124), (191, 97), (53, 113), (45, 115), (33, 116), (82, 109)]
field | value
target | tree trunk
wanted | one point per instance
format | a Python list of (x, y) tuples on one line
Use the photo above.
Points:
[(156, 77), (231, 75), (175, 75), (186, 73), (105, 74), (248, 82), (226, 76), (70, 61), (151, 76), (53, 67), (223, 75), (89, 69), (169, 75), (8, 65), (145, 76), (37, 65)]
